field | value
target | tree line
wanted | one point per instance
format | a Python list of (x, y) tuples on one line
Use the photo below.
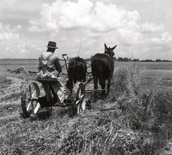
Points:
[(125, 59)]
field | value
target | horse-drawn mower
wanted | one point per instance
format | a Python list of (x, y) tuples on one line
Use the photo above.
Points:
[(32, 99)]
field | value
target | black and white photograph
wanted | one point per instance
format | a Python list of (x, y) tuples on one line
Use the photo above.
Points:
[(85, 77)]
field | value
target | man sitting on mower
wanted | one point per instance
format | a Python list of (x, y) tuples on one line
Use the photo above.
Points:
[(49, 70), (55, 91)]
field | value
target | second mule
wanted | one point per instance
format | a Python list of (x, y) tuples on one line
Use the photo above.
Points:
[(102, 65)]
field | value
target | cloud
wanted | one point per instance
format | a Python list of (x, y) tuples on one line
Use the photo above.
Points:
[(8, 1), (6, 33), (164, 38), (84, 14), (11, 43), (141, 0), (88, 21), (152, 27), (96, 23)]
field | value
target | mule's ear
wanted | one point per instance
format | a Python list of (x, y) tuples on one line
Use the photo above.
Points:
[(114, 47), (105, 46)]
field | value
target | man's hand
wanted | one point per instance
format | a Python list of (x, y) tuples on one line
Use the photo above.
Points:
[(58, 74)]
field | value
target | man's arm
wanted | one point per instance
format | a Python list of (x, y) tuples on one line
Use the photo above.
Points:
[(57, 65)]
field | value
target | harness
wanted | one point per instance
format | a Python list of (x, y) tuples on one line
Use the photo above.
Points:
[(46, 71), (45, 64)]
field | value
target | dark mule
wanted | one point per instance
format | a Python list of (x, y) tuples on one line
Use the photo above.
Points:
[(102, 65), (77, 69)]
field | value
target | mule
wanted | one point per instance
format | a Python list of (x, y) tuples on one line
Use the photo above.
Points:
[(102, 65), (77, 69)]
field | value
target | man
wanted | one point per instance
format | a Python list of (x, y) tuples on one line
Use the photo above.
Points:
[(49, 69)]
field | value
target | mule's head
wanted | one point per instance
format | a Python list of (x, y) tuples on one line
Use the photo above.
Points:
[(109, 50)]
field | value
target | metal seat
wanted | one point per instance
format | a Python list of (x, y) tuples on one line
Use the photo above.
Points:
[(48, 81)]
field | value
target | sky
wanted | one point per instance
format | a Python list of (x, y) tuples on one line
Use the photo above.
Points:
[(142, 29)]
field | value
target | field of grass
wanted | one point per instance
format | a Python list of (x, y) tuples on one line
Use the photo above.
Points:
[(135, 119)]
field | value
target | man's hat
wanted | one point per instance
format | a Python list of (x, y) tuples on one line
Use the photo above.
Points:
[(52, 44)]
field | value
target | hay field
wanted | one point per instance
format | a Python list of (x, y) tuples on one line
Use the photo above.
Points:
[(136, 118), (151, 70)]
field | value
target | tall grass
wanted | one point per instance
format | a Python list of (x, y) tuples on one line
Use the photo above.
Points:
[(142, 126), (139, 124)]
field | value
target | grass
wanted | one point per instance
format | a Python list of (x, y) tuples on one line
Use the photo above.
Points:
[(136, 120), (4, 81)]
